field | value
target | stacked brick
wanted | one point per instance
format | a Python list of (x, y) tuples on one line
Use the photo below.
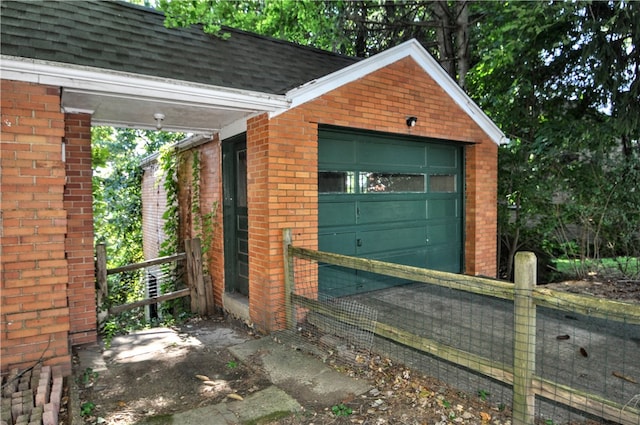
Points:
[(32, 397)]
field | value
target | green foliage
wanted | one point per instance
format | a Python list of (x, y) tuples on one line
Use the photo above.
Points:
[(203, 223), (168, 162), (168, 177), (87, 408), (304, 22), (88, 377), (483, 394), (556, 77), (341, 410), (361, 28), (117, 212)]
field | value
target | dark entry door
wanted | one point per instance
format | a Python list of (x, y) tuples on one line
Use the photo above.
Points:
[(236, 222)]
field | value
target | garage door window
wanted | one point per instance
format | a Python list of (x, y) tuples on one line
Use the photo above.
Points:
[(442, 183), (370, 182), (391, 182), (336, 182)]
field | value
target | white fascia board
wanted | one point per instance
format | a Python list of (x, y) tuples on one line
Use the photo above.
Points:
[(89, 80), (413, 49)]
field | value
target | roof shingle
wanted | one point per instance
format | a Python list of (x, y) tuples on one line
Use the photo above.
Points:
[(119, 36)]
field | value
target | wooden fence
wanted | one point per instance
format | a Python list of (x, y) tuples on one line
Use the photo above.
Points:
[(199, 286), (525, 295)]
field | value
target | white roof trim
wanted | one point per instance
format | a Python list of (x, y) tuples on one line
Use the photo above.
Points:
[(97, 80), (413, 49)]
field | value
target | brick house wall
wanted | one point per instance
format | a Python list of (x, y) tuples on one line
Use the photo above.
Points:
[(34, 274), (78, 202), (282, 154)]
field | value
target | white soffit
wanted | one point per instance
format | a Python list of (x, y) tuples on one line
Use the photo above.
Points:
[(413, 49)]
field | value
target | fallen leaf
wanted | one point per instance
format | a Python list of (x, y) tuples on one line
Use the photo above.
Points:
[(122, 403), (626, 378), (235, 396), (485, 417), (203, 377)]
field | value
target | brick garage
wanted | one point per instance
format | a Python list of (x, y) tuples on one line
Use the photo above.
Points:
[(72, 73)]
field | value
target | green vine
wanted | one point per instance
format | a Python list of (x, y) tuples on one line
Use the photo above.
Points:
[(203, 224), (168, 162)]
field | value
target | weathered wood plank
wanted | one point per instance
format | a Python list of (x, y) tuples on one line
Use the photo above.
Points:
[(165, 297), (102, 294), (590, 403), (478, 285), (588, 305), (288, 277), (193, 250), (148, 263)]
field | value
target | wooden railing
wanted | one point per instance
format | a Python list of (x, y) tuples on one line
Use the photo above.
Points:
[(526, 385), (199, 287)]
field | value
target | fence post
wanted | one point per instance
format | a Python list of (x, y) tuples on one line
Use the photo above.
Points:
[(288, 277), (195, 277), (524, 347), (102, 294)]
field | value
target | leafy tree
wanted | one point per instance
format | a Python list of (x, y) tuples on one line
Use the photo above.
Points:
[(357, 28), (117, 208), (561, 79)]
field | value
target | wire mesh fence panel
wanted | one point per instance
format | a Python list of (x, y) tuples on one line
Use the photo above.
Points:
[(598, 357), (584, 367)]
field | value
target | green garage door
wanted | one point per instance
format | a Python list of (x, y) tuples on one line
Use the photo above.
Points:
[(387, 198)]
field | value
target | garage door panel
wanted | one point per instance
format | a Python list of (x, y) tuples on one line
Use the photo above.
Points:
[(442, 208), (390, 239), (336, 213), (338, 281), (415, 257), (389, 156), (391, 211), (443, 258), (443, 156), (338, 151), (443, 232), (339, 242)]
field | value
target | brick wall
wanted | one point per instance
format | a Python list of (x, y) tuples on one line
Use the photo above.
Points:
[(282, 169), (154, 204), (34, 318), (78, 202)]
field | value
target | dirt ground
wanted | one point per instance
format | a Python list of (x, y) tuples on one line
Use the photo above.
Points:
[(193, 376), (185, 377)]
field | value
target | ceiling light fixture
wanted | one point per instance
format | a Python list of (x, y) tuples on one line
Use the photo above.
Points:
[(159, 117)]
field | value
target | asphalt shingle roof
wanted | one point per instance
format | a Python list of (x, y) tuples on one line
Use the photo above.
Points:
[(119, 36)]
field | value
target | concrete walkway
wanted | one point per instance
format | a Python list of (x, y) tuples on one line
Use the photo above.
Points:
[(298, 380)]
